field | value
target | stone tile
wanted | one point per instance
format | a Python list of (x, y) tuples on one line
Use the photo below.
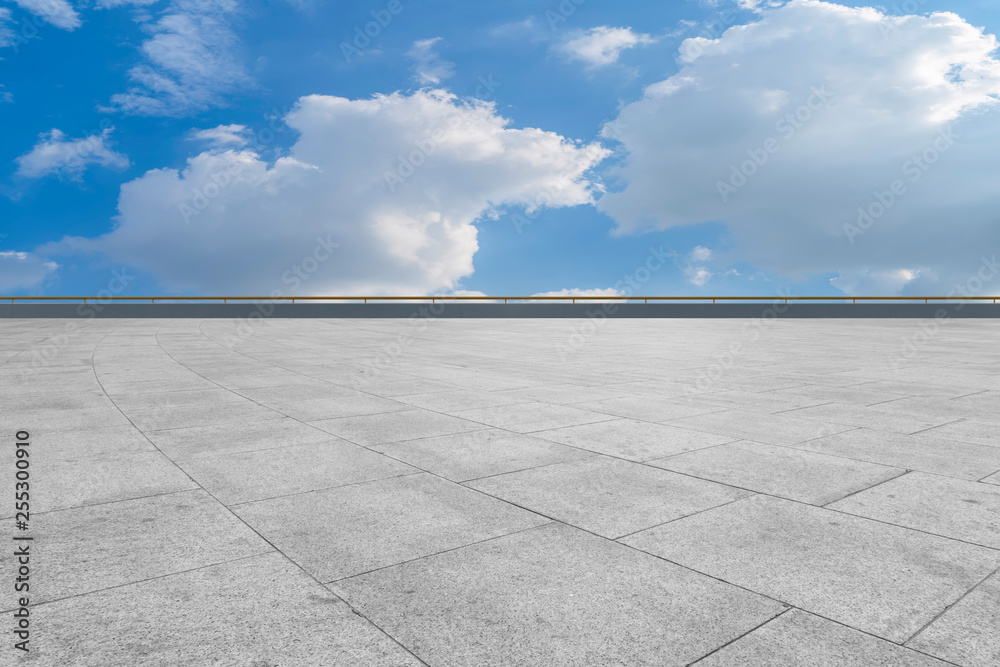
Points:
[(798, 638), (76, 445), (36, 421), (769, 429), (858, 395), (348, 530), (256, 611), (914, 452), (881, 579), (193, 398), (341, 406), (562, 394), (243, 437), (92, 548), (239, 477), (553, 596), (955, 508), (293, 393), (163, 418), (878, 417), (631, 439), (528, 417), (476, 454), (780, 471), (648, 408), (372, 430), (460, 399), (967, 633), (61, 484), (976, 431), (606, 496)]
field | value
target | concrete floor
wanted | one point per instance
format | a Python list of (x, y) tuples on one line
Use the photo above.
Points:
[(507, 492)]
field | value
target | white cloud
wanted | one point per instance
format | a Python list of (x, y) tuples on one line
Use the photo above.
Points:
[(576, 291), (601, 46), (888, 282), (192, 61), (894, 86), (69, 158), (256, 224), (697, 275), (22, 270), (700, 254), (57, 12), (6, 32), (109, 4), (223, 135), (429, 67)]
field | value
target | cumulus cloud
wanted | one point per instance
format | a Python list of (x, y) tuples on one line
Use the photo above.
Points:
[(23, 270), (223, 135), (700, 254), (55, 154), (601, 46), (192, 61), (57, 12), (429, 67), (791, 129), (377, 196)]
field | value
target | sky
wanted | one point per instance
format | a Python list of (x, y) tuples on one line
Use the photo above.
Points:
[(413, 147)]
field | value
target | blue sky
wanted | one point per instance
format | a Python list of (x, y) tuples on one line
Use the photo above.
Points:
[(253, 147)]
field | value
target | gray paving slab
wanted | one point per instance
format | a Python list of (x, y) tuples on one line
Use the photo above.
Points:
[(341, 406), (345, 531), (633, 440), (252, 612), (465, 456), (914, 452), (454, 400), (578, 601), (528, 417), (881, 417), (90, 481), (608, 496), (967, 634), (380, 429), (769, 429), (977, 431), (171, 417), (239, 477), (878, 578), (96, 547), (800, 638), (800, 475), (242, 437), (955, 508), (648, 408)]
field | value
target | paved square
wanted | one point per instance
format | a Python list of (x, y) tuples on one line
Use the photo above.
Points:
[(483, 493)]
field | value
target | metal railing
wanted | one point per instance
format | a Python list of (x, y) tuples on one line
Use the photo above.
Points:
[(505, 299)]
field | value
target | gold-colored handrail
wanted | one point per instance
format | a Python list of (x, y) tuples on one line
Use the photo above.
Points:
[(433, 299)]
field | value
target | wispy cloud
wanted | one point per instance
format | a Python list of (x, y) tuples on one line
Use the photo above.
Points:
[(192, 61), (601, 46), (223, 135), (57, 12), (430, 68), (54, 154)]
